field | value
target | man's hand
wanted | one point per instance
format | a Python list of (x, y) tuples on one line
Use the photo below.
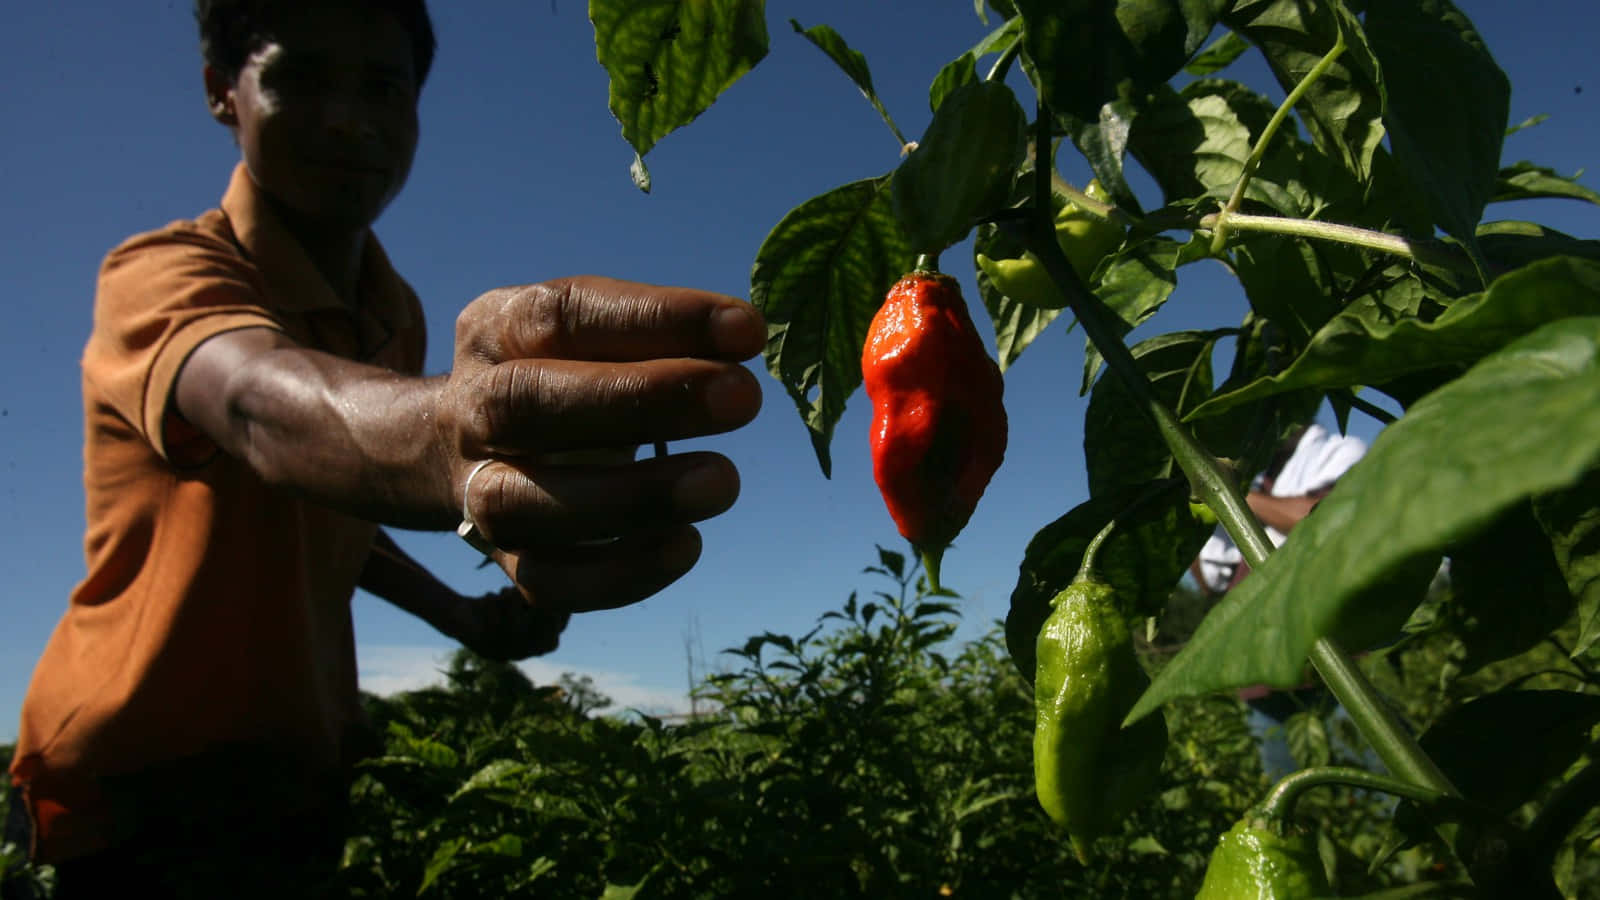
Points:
[(503, 625), (596, 364)]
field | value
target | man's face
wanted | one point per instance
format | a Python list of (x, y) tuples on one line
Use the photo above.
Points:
[(325, 114)]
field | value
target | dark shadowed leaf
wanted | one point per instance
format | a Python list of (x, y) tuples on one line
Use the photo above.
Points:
[(1571, 519), (1500, 748), (1090, 52), (1135, 287), (1509, 244), (1370, 343), (1519, 424), (1509, 592), (1289, 281), (1156, 537), (963, 166), (1448, 106), (669, 60), (819, 278), (1344, 109), (1103, 141), (1218, 55), (1120, 444)]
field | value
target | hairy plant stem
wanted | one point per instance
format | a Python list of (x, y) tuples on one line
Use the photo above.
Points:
[(1259, 151), (1427, 252), (1279, 804), (1214, 484)]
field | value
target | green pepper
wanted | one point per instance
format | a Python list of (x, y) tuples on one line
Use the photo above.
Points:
[(1084, 237), (1254, 862), (1089, 771)]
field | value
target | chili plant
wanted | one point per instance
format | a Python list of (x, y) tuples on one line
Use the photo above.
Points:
[(1351, 209)]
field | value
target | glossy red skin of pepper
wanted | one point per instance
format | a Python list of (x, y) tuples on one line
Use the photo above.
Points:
[(938, 421)]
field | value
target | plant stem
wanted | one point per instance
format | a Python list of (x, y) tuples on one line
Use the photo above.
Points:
[(1003, 64), (1427, 252), (1259, 151), (1371, 409), (1217, 486), (1279, 804)]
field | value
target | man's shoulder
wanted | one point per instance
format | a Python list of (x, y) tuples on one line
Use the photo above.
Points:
[(209, 232)]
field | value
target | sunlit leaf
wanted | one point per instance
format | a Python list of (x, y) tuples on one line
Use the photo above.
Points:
[(1217, 56), (1519, 424), (1526, 181), (851, 62), (1368, 344), (819, 278), (669, 60)]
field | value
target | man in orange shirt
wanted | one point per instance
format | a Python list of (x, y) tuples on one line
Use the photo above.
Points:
[(254, 409)]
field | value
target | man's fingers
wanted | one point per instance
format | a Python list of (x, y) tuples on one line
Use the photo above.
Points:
[(527, 407), (528, 507), (606, 320), (588, 578)]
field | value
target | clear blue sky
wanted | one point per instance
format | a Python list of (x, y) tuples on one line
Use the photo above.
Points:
[(521, 176)]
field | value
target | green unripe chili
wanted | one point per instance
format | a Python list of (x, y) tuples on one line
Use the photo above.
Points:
[(1089, 772), (1254, 862)]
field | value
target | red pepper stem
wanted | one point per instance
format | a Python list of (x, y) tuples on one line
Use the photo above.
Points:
[(931, 558), (927, 262)]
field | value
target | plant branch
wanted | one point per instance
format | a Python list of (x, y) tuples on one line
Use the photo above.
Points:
[(1279, 804), (1003, 64), (1215, 485), (1427, 252), (1259, 151), (1371, 409)]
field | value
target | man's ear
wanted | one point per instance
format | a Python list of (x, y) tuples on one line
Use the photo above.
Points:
[(219, 97)]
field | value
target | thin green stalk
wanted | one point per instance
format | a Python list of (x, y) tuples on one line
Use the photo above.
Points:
[(1427, 252), (1217, 487), (1003, 64), (1259, 151), (1279, 804), (1371, 409)]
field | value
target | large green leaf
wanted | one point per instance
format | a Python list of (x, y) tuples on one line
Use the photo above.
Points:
[(1571, 519), (1366, 344), (1519, 424), (964, 68), (819, 278), (1508, 590), (1156, 537), (1509, 244), (963, 167), (1120, 444), (1090, 52), (1195, 144), (1103, 141), (1016, 324), (669, 60), (1526, 181), (1343, 110), (1448, 104), (1288, 281)]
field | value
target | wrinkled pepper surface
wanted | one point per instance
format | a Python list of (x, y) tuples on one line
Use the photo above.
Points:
[(1253, 862), (938, 420), (1089, 771)]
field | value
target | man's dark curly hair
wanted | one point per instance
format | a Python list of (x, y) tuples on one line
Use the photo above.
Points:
[(231, 30)]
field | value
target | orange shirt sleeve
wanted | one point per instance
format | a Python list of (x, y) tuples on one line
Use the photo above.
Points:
[(161, 295)]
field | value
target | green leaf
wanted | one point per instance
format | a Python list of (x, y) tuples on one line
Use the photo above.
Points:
[(1142, 559), (1571, 519), (669, 60), (1288, 280), (960, 71), (1510, 244), (1526, 181), (1518, 424), (501, 774), (1511, 558), (851, 62), (443, 858), (1366, 344), (819, 278), (963, 166), (1343, 110), (1135, 287), (1090, 52), (1016, 324), (1448, 105), (1498, 749), (1195, 144), (1218, 56), (1103, 141), (1120, 445), (1307, 737)]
